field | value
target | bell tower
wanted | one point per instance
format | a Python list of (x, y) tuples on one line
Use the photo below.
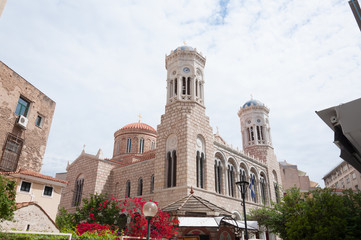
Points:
[(185, 67), (257, 141), (185, 137)]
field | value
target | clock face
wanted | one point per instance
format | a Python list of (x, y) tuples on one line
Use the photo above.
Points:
[(186, 70), (174, 72)]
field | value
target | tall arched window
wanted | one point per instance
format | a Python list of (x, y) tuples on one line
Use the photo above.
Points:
[(171, 89), (171, 161), (184, 85), (172, 169), (141, 145), (243, 177), (263, 190), (152, 184), (188, 86), (218, 175), (196, 87), (175, 86), (200, 160), (78, 190), (276, 187), (230, 178), (140, 187), (129, 145), (252, 133), (153, 145), (118, 147), (253, 187), (200, 169), (127, 189)]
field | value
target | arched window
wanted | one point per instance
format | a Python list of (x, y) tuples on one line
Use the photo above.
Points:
[(172, 169), (153, 145), (200, 169), (188, 86), (243, 177), (276, 187), (253, 187), (218, 175), (196, 87), (129, 145), (262, 181), (78, 190), (230, 176), (184, 85), (200, 160), (152, 184), (140, 187), (118, 147), (252, 133), (127, 189), (175, 86), (141, 145), (171, 161), (171, 89)]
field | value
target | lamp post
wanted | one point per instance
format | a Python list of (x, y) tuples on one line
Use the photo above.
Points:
[(150, 209), (242, 185)]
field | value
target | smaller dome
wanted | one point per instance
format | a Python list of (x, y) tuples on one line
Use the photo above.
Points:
[(139, 125), (252, 102), (184, 47)]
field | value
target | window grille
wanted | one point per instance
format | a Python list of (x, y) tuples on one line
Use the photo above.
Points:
[(11, 153)]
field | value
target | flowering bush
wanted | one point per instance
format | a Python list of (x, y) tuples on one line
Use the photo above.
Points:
[(101, 215)]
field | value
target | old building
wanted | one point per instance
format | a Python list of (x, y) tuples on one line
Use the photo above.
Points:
[(25, 119), (293, 177), (343, 176), (183, 153)]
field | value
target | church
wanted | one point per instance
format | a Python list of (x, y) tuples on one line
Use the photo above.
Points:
[(182, 157)]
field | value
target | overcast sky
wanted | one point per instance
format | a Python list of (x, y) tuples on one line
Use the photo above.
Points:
[(103, 63)]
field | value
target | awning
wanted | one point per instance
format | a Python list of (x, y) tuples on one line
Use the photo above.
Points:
[(214, 222)]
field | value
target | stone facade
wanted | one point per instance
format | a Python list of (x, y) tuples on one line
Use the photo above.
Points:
[(188, 155), (26, 142), (30, 217), (344, 176)]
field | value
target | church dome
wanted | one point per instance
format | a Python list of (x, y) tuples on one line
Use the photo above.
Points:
[(184, 47), (252, 102), (139, 125)]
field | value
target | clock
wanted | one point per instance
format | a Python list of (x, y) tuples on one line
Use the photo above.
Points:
[(186, 70)]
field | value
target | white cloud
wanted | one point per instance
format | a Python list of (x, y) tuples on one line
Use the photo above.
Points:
[(103, 63)]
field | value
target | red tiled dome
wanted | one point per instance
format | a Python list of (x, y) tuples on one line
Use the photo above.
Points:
[(138, 125)]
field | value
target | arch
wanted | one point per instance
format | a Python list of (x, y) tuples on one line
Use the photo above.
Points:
[(141, 145), (231, 172), (263, 188), (236, 215), (200, 161), (78, 190), (140, 186), (171, 161), (218, 172), (253, 184), (127, 188), (276, 186), (152, 184)]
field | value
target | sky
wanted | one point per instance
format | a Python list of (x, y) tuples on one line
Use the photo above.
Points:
[(103, 63)]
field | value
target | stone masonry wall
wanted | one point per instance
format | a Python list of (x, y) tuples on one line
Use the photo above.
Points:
[(12, 86)]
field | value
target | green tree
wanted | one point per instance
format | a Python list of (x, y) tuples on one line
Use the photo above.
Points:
[(7, 198), (320, 214)]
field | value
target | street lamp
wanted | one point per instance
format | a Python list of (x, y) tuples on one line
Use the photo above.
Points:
[(150, 209), (242, 185)]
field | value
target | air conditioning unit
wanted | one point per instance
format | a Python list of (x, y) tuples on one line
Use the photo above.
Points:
[(22, 121)]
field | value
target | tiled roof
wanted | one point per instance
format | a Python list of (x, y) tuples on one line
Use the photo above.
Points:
[(139, 125), (194, 204), (34, 174), (135, 158)]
